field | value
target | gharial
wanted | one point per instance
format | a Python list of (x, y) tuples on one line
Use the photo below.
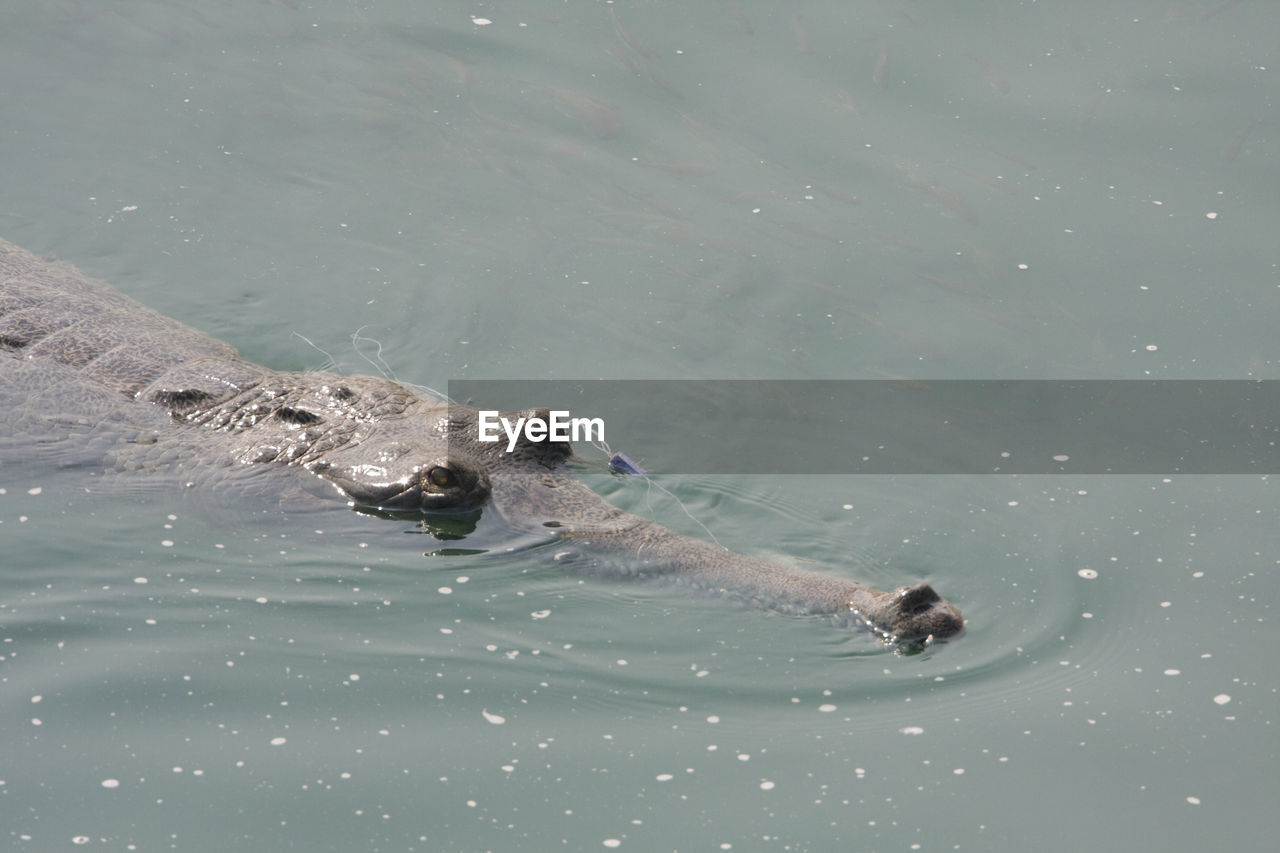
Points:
[(132, 390)]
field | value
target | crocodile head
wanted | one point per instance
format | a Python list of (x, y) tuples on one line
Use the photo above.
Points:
[(398, 475)]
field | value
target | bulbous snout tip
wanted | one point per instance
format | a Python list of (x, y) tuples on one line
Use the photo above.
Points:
[(918, 612)]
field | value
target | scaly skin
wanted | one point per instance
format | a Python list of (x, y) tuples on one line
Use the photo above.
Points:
[(91, 377)]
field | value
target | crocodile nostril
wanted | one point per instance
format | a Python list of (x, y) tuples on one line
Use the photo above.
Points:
[(918, 598)]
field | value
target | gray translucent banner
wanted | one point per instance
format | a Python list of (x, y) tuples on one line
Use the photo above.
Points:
[(917, 427)]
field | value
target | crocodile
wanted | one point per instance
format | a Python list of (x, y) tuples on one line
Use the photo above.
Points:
[(90, 377)]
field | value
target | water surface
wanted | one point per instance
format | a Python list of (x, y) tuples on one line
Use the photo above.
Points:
[(652, 190)]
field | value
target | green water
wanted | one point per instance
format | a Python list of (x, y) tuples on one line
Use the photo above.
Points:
[(652, 190)]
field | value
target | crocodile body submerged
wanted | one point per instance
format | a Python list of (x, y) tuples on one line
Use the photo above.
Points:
[(90, 377)]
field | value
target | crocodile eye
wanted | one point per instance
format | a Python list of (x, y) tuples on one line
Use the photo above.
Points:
[(442, 477)]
